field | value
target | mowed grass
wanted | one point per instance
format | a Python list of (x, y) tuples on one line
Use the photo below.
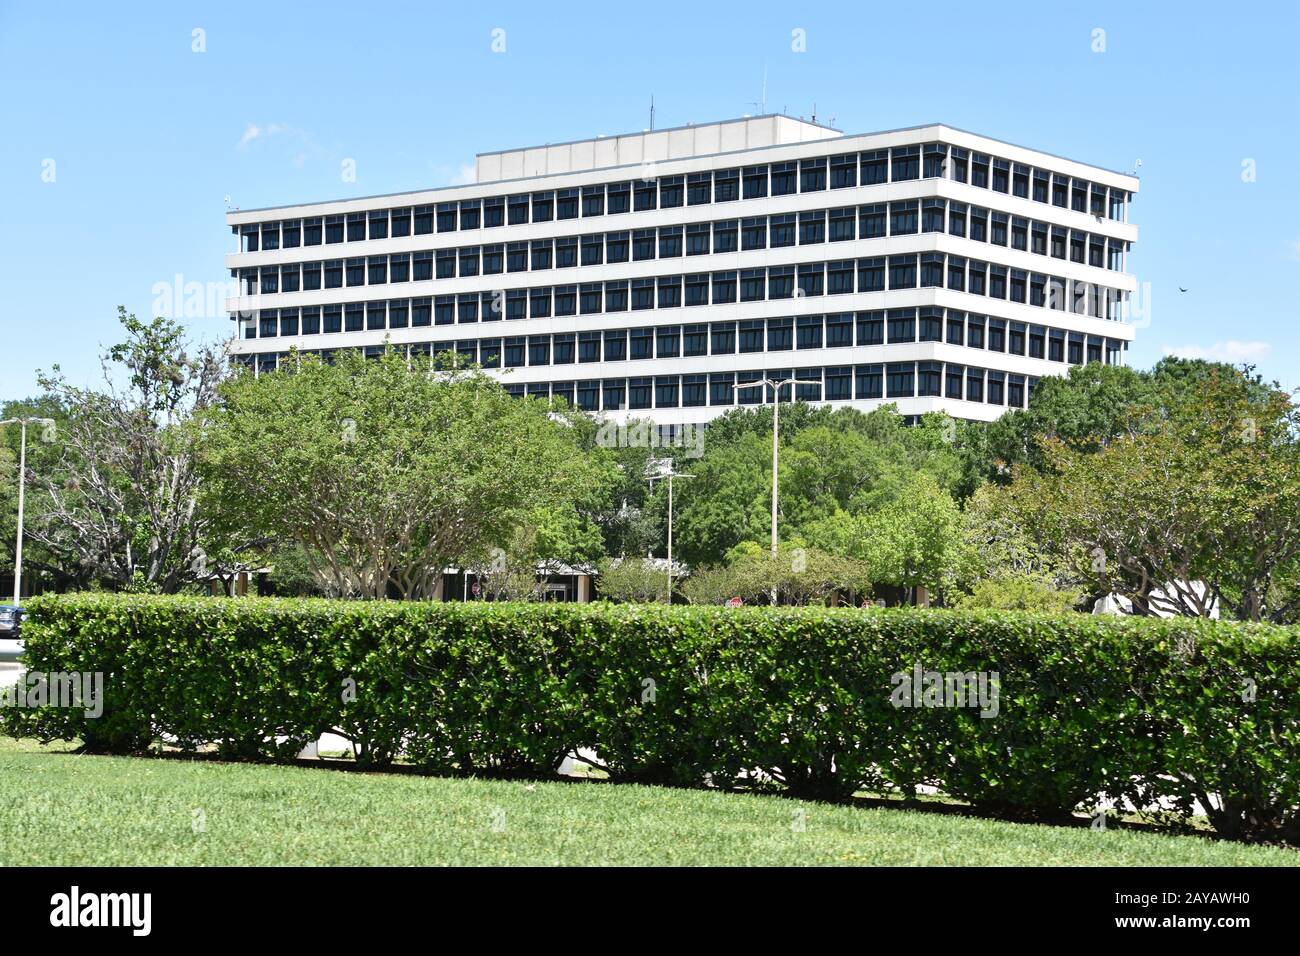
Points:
[(60, 808)]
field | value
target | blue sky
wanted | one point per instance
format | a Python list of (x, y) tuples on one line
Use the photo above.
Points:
[(148, 136)]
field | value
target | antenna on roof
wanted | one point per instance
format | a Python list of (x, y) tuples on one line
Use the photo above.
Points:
[(814, 115), (764, 89), (652, 111)]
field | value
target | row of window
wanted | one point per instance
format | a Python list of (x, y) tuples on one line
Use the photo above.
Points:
[(842, 383), (875, 167), (697, 239), (839, 330), (912, 271)]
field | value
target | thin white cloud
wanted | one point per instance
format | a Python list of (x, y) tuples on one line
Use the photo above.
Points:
[(250, 134), (466, 174), (1231, 351)]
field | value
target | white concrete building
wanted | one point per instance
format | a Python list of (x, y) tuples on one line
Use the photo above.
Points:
[(645, 275)]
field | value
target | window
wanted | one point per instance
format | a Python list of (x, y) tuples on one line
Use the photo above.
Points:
[(932, 215), (516, 305), (974, 385), (812, 227), (666, 387), (641, 344), (333, 229), (722, 336), (1018, 287), (751, 336), (931, 270), (839, 330), (493, 212), (311, 272), (724, 236), (1016, 338), (589, 298), (697, 289), (268, 323), (874, 167), (615, 345), (782, 231), (670, 241), (1060, 187), (444, 310), (871, 221), (291, 233), (668, 341), (543, 206), (902, 218), (956, 219), (616, 296), (614, 394), (724, 287), (311, 321), (844, 171), (638, 392), (839, 277), (398, 314), (754, 233), (979, 224), (998, 236), (589, 396), (694, 390), (956, 274), (753, 285), (289, 276), (997, 282), (588, 346), (871, 275), (843, 225), (838, 384), (643, 294), (271, 235), (812, 175), (695, 340), (566, 204), (699, 188), (871, 328), (997, 335), (643, 244), (1020, 234), (726, 185), (1020, 181), (446, 264), (1001, 175), (618, 198), (755, 182), (356, 272), (956, 328), (906, 162), (928, 375), (976, 274), (399, 268), (354, 317), (1041, 181), (311, 232), (902, 325), (722, 388), (670, 292), (513, 353), (979, 171), (616, 246), (960, 164), (780, 282), (809, 332), (900, 380), (671, 192), (780, 335), (593, 201), (540, 258), (936, 160), (645, 195), (783, 179), (469, 261), (566, 252), (902, 272), (868, 381), (467, 308), (566, 300), (539, 303), (975, 331)]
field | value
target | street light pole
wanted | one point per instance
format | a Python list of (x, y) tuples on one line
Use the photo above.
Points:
[(666, 471), (22, 488), (776, 386)]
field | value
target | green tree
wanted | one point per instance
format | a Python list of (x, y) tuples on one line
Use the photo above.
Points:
[(385, 472)]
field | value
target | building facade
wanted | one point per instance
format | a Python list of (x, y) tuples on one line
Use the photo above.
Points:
[(645, 276)]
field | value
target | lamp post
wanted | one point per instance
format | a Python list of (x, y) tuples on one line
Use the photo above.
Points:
[(22, 487), (776, 385), (664, 469)]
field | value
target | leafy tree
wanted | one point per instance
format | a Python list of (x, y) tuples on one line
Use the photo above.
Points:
[(119, 504), (795, 575), (1018, 592), (632, 581), (385, 472), (1200, 506)]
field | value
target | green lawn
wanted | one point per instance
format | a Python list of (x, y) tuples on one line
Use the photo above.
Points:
[(63, 809)]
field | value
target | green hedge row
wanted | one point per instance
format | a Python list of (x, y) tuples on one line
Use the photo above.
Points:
[(1160, 713)]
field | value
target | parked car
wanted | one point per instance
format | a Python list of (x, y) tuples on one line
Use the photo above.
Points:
[(11, 645)]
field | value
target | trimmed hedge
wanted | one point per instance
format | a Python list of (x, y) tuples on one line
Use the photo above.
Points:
[(1161, 713)]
